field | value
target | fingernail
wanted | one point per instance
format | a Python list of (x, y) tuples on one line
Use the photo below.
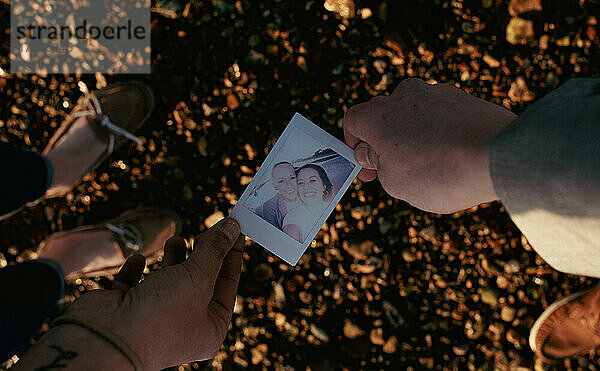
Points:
[(231, 228), (363, 153)]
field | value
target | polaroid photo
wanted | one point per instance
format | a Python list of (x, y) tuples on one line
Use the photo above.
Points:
[(295, 189)]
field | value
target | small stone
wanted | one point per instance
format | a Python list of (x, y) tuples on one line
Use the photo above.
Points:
[(517, 7), (508, 314), (502, 282), (512, 266), (239, 360), (363, 268), (376, 336), (258, 353), (360, 212), (428, 233), (391, 345), (460, 350), (408, 256), (232, 101), (238, 307), (280, 319), (351, 330), (360, 249), (513, 337), (278, 296), (519, 92), (563, 41), (344, 8), (489, 296), (519, 31), (491, 61), (202, 146), (319, 333)]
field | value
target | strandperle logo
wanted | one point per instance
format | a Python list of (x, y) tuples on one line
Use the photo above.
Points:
[(80, 36), (84, 31)]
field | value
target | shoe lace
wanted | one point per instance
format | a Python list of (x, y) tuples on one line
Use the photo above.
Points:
[(129, 235), (95, 110)]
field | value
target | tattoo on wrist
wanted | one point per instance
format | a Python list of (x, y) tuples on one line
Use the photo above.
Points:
[(63, 355)]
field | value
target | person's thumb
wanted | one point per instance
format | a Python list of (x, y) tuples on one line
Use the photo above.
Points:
[(366, 156)]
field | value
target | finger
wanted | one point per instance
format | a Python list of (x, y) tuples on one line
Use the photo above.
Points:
[(366, 156), (130, 273), (175, 249), (353, 122), (409, 86), (223, 299), (350, 139), (367, 175), (212, 246)]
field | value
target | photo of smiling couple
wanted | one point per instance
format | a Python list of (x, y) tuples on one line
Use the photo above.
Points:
[(298, 191)]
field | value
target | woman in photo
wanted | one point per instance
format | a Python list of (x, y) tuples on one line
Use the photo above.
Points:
[(315, 191)]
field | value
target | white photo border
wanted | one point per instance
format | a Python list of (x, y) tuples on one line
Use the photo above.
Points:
[(267, 235)]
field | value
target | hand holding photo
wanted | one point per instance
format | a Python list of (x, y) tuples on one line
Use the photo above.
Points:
[(295, 190)]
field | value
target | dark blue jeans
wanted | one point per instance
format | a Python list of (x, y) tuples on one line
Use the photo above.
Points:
[(29, 290), (26, 177)]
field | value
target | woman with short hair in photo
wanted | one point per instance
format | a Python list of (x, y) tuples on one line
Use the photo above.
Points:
[(315, 191)]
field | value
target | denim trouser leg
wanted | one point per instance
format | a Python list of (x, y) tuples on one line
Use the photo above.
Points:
[(25, 175), (28, 292)]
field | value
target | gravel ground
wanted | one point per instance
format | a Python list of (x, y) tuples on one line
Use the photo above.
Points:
[(384, 286)]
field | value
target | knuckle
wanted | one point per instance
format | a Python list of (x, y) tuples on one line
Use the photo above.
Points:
[(412, 81), (353, 112), (378, 100)]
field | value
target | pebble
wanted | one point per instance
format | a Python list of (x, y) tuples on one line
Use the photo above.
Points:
[(513, 337), (460, 350), (280, 320), (408, 256), (391, 345), (344, 8), (360, 212), (502, 282), (508, 314), (278, 296), (351, 330), (517, 7), (258, 353), (319, 333), (376, 336), (428, 233), (519, 31), (489, 296), (512, 266)]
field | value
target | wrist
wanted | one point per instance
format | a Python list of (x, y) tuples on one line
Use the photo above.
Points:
[(476, 156), (76, 348)]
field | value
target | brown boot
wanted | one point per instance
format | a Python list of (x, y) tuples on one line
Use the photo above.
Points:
[(97, 250), (568, 327), (101, 122)]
